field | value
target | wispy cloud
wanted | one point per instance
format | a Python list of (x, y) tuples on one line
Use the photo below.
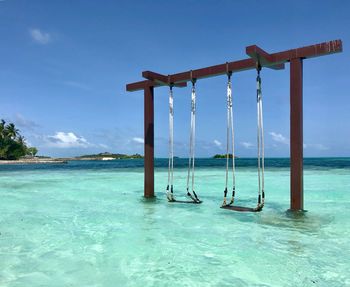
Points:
[(25, 123), (277, 137), (317, 146), (120, 139), (138, 140), (218, 143), (67, 140), (40, 37), (247, 145)]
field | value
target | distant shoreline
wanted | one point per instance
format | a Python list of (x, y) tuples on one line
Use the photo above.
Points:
[(53, 160), (33, 161), (49, 160)]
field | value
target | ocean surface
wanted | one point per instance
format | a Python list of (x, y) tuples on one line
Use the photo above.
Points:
[(87, 224)]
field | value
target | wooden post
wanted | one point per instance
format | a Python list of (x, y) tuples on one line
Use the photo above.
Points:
[(149, 141), (296, 135)]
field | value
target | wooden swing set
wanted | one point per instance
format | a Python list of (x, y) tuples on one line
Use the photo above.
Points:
[(257, 56)]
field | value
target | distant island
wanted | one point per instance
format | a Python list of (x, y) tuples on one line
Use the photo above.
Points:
[(45, 159), (223, 156), (107, 156)]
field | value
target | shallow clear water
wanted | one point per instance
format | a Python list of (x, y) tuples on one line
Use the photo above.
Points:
[(86, 224)]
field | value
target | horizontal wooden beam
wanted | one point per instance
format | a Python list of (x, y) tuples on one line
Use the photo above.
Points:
[(140, 85), (158, 78), (161, 79), (312, 51), (275, 61), (263, 58), (148, 83), (213, 71)]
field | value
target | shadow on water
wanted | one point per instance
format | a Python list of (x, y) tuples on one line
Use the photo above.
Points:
[(162, 200), (274, 215), (150, 221), (150, 200)]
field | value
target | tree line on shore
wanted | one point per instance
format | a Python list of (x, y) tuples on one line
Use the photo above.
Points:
[(12, 143), (223, 156)]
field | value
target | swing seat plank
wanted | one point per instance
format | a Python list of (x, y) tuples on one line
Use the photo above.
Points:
[(242, 208), (185, 201)]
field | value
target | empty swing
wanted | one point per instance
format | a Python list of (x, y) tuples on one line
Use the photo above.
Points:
[(260, 144), (193, 198)]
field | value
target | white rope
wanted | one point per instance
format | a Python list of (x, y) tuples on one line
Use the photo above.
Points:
[(191, 158), (193, 143), (172, 140), (258, 132), (190, 149), (229, 131), (261, 147), (233, 148), (169, 190)]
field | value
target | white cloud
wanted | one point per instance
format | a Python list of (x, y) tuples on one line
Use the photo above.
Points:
[(279, 138), (218, 143), (138, 140), (40, 37), (247, 145), (316, 146), (66, 140)]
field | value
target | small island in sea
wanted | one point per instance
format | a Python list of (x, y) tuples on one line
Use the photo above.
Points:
[(223, 156), (106, 156), (45, 159)]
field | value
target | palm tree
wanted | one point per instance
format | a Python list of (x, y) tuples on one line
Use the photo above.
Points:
[(2, 129), (21, 140), (12, 143), (11, 131), (32, 151)]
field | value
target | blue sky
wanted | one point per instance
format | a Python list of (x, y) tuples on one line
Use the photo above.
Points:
[(64, 66)]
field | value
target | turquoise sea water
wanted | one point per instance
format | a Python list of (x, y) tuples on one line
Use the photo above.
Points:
[(86, 224)]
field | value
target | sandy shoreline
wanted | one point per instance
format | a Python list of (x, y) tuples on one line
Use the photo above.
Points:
[(32, 161), (51, 160)]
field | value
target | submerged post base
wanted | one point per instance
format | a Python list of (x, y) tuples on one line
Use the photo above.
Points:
[(296, 213)]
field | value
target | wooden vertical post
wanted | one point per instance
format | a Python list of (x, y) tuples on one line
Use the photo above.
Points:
[(149, 141), (296, 135)]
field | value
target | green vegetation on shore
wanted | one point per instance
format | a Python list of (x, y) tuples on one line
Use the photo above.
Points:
[(110, 155), (12, 143), (223, 156)]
